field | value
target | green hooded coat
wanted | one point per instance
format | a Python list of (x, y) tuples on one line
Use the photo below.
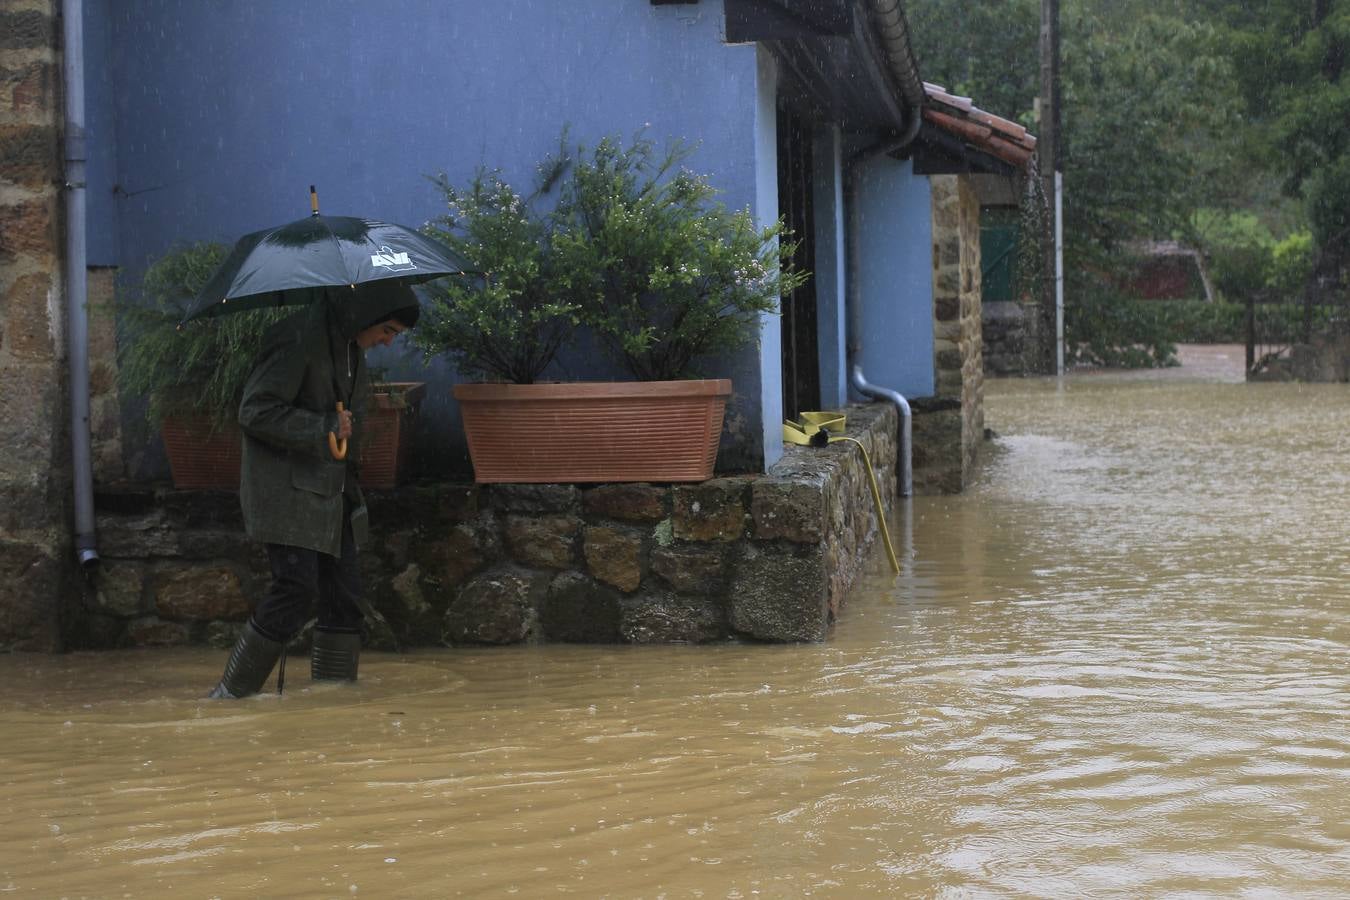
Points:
[(291, 488)]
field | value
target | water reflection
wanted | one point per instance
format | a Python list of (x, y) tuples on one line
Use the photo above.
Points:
[(1116, 666)]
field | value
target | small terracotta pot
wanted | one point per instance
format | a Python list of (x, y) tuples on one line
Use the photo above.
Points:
[(203, 457), (384, 448), (594, 431)]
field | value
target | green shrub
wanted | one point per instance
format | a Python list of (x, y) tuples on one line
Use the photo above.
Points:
[(200, 368), (637, 251), (1200, 321), (664, 273), (508, 325), (1247, 260)]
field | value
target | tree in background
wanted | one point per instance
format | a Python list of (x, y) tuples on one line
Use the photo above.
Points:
[(1151, 134), (1289, 58)]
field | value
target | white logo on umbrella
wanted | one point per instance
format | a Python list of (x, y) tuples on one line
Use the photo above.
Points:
[(394, 262)]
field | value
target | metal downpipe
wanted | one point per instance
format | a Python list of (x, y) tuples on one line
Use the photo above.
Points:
[(77, 285), (903, 452), (890, 26), (889, 18)]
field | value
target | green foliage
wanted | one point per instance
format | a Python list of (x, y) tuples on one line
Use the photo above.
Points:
[(1246, 259), (1289, 60), (663, 272), (1198, 321), (1224, 322), (1149, 132), (199, 369), (1109, 329), (636, 251), (990, 57), (509, 325)]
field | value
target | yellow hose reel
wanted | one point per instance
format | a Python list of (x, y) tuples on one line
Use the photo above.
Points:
[(817, 429)]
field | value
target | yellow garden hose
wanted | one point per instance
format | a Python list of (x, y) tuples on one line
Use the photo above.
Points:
[(816, 429)]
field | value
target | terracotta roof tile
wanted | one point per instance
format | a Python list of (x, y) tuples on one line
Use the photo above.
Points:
[(982, 130)]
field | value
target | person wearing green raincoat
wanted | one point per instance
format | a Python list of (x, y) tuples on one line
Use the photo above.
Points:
[(298, 499)]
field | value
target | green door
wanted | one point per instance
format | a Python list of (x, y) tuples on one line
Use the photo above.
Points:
[(998, 252)]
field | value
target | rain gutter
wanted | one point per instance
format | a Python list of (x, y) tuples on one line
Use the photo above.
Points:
[(77, 281), (892, 33)]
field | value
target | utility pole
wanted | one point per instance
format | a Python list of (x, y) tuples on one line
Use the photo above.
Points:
[(1052, 182)]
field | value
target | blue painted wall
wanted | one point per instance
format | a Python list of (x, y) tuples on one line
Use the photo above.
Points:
[(892, 223), (210, 120), (766, 202)]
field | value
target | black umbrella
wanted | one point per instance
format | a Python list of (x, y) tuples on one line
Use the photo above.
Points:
[(270, 267)]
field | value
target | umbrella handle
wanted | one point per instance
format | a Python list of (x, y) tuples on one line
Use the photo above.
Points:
[(336, 447)]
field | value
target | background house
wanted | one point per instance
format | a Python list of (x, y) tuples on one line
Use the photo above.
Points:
[(212, 120), (207, 121)]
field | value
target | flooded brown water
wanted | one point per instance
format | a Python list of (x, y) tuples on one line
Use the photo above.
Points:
[(1117, 666)]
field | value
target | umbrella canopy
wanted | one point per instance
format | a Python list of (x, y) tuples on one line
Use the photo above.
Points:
[(268, 267)]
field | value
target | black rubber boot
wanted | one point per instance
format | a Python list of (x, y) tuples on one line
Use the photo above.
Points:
[(250, 663), (334, 654)]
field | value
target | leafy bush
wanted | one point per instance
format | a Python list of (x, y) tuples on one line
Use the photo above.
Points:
[(1104, 327), (636, 251), (664, 274), (1199, 321), (509, 325), (200, 368), (1246, 259)]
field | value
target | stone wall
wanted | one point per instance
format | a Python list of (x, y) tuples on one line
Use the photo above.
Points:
[(105, 407), (1010, 337), (35, 553), (949, 427), (1325, 359), (757, 557)]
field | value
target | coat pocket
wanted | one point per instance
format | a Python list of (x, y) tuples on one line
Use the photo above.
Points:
[(322, 479)]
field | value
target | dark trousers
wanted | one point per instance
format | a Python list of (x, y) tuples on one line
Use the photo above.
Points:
[(299, 578)]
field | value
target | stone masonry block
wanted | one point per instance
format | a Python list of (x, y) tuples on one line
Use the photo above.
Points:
[(460, 555), (780, 593), (27, 227), (121, 590), (29, 157), (28, 506), (535, 498), (31, 408), (496, 607), (639, 503), (31, 333), (949, 359), (28, 29), (200, 594), (31, 90), (666, 619), (692, 568), (712, 511), (547, 542), (790, 509), (614, 556), (947, 282), (947, 251), (579, 610), (137, 537), (34, 583)]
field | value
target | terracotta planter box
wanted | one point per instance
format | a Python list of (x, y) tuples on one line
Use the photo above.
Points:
[(205, 458), (597, 431), (202, 457), (384, 456)]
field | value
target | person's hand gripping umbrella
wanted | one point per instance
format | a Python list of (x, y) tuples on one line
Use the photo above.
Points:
[(280, 266)]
